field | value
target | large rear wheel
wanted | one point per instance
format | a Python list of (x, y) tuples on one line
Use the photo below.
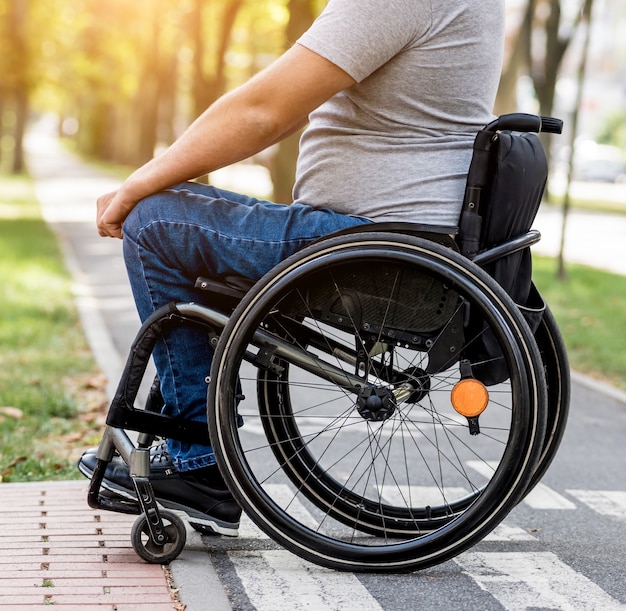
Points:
[(368, 443)]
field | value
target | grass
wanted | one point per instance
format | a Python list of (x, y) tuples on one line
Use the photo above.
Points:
[(589, 307), (51, 396)]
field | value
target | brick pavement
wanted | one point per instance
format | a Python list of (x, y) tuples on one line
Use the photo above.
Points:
[(56, 550)]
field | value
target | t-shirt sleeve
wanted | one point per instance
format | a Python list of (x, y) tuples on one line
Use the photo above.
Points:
[(360, 36)]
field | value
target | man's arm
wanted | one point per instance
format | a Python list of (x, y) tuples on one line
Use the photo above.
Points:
[(266, 109)]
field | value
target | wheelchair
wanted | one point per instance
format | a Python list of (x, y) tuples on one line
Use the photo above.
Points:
[(380, 400)]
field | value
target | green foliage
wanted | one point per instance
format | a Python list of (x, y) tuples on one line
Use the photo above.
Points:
[(46, 370), (589, 307), (613, 130), (124, 77)]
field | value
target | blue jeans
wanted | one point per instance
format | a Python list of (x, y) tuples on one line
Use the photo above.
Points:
[(194, 230)]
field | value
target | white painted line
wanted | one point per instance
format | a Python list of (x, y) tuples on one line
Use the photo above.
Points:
[(420, 496), (606, 502), (535, 580), (504, 532), (541, 497), (391, 494), (485, 468), (424, 495), (277, 579), (283, 495), (249, 530)]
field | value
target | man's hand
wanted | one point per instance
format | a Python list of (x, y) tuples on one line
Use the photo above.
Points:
[(110, 214)]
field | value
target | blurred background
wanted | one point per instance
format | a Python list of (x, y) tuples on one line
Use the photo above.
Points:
[(122, 79)]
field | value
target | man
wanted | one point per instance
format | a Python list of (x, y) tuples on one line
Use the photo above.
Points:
[(394, 92)]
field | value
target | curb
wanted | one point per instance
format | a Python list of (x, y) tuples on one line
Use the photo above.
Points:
[(600, 387)]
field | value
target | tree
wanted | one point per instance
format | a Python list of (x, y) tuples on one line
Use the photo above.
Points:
[(517, 63), (283, 165), (539, 48), (208, 85), (544, 21), (16, 76), (582, 68)]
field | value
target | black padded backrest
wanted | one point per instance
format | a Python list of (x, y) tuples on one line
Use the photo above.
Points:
[(505, 186), (518, 179)]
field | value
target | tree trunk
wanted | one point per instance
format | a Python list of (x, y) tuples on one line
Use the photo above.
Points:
[(519, 60), (148, 103), (167, 102), (545, 73), (21, 117), (582, 70), (208, 88), (2, 107), (283, 164), (19, 93)]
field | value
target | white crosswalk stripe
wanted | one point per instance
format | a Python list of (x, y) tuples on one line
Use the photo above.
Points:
[(507, 532), (516, 579), (283, 495), (268, 575), (535, 580), (605, 502), (432, 494), (420, 495), (541, 497)]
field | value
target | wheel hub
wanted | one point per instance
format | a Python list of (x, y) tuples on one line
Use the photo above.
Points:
[(376, 404)]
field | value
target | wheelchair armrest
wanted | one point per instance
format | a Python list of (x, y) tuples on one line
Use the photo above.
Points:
[(230, 286), (407, 227), (507, 248)]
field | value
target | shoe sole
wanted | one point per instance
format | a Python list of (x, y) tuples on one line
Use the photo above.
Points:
[(198, 520)]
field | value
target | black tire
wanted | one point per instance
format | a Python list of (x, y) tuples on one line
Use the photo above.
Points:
[(155, 553), (557, 375), (310, 469)]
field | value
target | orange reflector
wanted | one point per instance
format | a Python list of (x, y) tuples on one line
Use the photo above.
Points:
[(469, 397)]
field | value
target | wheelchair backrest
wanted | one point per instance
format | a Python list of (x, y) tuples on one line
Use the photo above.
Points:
[(505, 193), (505, 186)]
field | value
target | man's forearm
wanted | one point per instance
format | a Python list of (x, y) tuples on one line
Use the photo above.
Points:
[(260, 113), (266, 109), (213, 141)]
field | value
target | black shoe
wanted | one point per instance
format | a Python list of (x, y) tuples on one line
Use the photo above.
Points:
[(201, 494), (117, 474)]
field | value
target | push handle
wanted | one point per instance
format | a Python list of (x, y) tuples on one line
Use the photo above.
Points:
[(522, 122), (551, 125)]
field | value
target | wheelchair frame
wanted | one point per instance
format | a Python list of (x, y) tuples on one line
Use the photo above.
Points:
[(271, 329)]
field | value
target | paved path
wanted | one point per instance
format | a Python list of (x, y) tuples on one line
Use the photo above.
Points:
[(55, 551), (592, 238), (67, 190)]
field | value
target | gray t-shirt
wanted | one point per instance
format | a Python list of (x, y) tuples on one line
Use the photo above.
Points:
[(397, 145)]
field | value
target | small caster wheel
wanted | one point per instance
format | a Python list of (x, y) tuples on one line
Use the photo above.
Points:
[(152, 552)]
